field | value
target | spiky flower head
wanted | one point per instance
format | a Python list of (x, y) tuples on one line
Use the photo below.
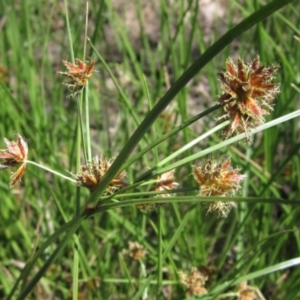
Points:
[(15, 154), (194, 281), (78, 74), (246, 292), (165, 182), (218, 179), (135, 250), (92, 173), (248, 91)]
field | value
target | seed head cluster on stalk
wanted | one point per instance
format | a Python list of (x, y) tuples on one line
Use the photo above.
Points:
[(15, 154), (165, 182), (246, 292), (135, 250), (194, 282), (92, 173), (218, 179), (248, 91), (78, 74)]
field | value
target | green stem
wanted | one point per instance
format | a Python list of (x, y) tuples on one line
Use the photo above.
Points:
[(86, 29), (28, 288), (75, 269), (181, 150), (144, 275), (50, 170), (159, 253), (169, 134), (80, 134), (192, 143), (30, 264), (86, 95), (69, 32), (188, 199), (87, 124), (234, 139)]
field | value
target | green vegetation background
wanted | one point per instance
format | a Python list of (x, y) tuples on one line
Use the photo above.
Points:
[(33, 43)]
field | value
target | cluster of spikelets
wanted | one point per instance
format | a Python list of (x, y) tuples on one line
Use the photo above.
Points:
[(248, 91), (135, 250), (15, 154), (247, 97), (218, 179), (196, 281), (164, 183), (92, 173), (78, 74)]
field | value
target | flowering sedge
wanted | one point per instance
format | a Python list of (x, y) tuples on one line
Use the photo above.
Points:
[(194, 282), (135, 250), (78, 74), (247, 93), (15, 154), (165, 182), (92, 173), (218, 179)]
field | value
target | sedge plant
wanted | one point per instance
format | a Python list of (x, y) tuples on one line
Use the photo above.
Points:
[(248, 92)]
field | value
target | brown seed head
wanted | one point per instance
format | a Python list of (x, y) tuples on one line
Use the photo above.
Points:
[(135, 250), (14, 154), (194, 281), (247, 91), (166, 182), (78, 74), (218, 179), (92, 173), (246, 292)]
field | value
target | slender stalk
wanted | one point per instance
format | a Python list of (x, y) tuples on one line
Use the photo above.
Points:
[(80, 139), (242, 211), (50, 170), (75, 269), (187, 199), (69, 32), (169, 134), (28, 288), (88, 155), (144, 275), (30, 264), (117, 85), (86, 94), (159, 253), (192, 143), (257, 274), (87, 123), (225, 143), (86, 29)]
